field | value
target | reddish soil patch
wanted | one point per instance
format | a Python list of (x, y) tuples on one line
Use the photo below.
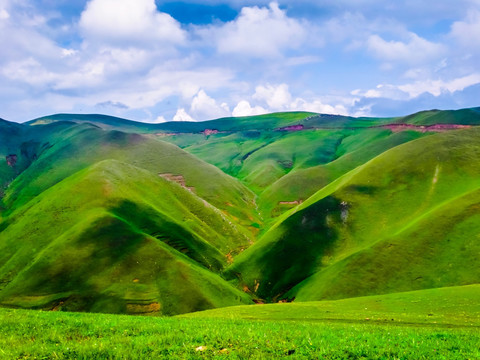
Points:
[(11, 160), (296, 202), (179, 179), (425, 128), (207, 132), (291, 128)]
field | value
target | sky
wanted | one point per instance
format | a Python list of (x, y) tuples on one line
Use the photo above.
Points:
[(164, 60)]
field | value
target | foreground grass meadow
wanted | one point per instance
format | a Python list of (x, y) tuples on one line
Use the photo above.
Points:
[(400, 326)]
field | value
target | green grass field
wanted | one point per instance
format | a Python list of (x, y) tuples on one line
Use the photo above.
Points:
[(431, 324)]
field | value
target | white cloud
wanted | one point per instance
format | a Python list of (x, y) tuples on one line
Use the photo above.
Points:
[(414, 50), (4, 14), (68, 52), (412, 90), (318, 106), (467, 32), (182, 115), (437, 87), (29, 71), (160, 119), (127, 21), (259, 32), (276, 97), (205, 108), (382, 91), (244, 108), (302, 60)]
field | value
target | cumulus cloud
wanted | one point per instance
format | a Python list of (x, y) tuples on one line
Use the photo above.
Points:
[(244, 108), (437, 87), (414, 50), (204, 107), (276, 97), (4, 14), (182, 115), (160, 119), (318, 106), (29, 71), (259, 32), (126, 21), (467, 32), (413, 90)]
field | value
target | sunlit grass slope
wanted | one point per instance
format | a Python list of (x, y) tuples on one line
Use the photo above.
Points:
[(457, 305), (77, 147), (116, 238), (441, 323), (432, 117), (404, 220), (355, 148)]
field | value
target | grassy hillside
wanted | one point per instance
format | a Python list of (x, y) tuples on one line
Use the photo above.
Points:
[(124, 241), (104, 214), (432, 117), (444, 306), (356, 148), (357, 233), (76, 147)]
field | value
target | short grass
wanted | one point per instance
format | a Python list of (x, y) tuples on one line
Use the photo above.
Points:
[(449, 306), (462, 116), (404, 220), (326, 330), (126, 240)]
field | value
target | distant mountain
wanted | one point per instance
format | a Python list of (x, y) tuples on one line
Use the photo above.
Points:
[(103, 214)]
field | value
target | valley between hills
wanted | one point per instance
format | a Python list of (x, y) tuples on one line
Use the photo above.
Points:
[(106, 215)]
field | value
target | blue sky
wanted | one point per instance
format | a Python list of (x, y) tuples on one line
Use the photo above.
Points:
[(163, 60)]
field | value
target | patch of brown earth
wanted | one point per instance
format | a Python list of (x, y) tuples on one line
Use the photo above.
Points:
[(11, 159), (208, 132), (425, 128), (296, 202), (179, 179), (259, 301), (291, 128), (153, 307)]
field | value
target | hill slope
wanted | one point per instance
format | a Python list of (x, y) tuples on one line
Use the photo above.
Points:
[(125, 241), (104, 214), (398, 222)]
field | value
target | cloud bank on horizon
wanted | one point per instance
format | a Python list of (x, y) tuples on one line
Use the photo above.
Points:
[(165, 60)]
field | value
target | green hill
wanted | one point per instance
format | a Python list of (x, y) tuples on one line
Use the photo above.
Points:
[(124, 241), (383, 227), (104, 214), (432, 117)]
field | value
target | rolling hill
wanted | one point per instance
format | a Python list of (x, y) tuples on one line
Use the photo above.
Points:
[(104, 214)]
